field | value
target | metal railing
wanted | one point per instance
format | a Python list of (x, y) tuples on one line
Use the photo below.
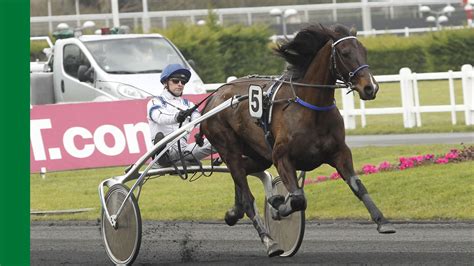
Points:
[(360, 12)]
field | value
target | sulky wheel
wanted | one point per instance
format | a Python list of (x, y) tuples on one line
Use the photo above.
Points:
[(288, 232), (122, 242)]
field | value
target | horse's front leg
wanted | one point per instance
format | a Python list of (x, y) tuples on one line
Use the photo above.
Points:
[(296, 200), (234, 214), (344, 166)]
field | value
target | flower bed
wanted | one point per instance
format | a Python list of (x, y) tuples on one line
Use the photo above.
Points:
[(453, 156)]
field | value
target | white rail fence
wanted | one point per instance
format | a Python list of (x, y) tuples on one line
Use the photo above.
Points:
[(410, 107), (410, 98)]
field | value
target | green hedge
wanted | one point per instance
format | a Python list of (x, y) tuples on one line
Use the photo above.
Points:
[(201, 45), (387, 54), (432, 52), (238, 50), (220, 52), (36, 50), (451, 49)]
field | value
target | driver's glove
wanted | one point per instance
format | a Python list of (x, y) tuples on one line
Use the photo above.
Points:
[(181, 116)]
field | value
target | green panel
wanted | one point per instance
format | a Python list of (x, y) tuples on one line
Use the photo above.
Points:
[(14, 109)]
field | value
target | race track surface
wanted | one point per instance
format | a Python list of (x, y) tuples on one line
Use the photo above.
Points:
[(203, 243)]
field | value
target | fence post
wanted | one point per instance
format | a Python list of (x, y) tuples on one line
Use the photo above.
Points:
[(50, 21), (416, 95), (452, 98), (78, 21), (468, 94), (348, 107), (406, 86), (115, 13), (145, 17), (363, 117)]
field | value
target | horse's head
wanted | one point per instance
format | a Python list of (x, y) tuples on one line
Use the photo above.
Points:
[(349, 64)]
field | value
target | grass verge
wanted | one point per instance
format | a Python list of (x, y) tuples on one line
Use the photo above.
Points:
[(429, 192)]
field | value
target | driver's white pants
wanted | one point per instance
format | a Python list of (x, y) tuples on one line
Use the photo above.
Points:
[(191, 152)]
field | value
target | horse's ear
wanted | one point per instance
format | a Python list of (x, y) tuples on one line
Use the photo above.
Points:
[(353, 31)]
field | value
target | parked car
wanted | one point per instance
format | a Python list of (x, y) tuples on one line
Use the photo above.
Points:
[(106, 67)]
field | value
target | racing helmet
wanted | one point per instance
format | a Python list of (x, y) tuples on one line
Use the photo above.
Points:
[(175, 70)]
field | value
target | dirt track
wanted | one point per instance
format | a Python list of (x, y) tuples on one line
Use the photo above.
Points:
[(345, 242)]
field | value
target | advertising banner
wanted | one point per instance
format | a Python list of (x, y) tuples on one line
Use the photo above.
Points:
[(89, 135)]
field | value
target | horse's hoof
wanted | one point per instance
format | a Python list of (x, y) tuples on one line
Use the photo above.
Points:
[(272, 247), (298, 203), (274, 250), (232, 217), (386, 228), (276, 200)]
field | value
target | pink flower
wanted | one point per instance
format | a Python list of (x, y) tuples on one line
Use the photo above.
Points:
[(384, 166), (451, 155), (335, 175), (308, 181), (442, 160), (418, 159), (369, 169), (321, 178), (428, 156), (406, 164)]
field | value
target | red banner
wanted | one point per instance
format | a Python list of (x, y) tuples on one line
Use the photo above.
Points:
[(89, 135)]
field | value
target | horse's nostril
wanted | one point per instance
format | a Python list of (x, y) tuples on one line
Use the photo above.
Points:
[(369, 90)]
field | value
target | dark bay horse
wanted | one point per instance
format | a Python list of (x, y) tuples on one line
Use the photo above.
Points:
[(306, 126)]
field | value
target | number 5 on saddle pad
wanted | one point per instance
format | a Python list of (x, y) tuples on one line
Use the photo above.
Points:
[(255, 101)]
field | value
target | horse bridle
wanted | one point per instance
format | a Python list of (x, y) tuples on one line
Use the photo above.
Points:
[(334, 69)]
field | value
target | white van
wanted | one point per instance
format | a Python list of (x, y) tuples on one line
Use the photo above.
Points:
[(107, 67)]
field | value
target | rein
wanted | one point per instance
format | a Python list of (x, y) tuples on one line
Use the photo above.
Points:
[(338, 85)]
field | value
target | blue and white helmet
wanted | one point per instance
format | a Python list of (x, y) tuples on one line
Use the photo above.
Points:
[(175, 70)]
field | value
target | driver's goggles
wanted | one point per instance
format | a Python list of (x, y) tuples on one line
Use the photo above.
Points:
[(176, 81)]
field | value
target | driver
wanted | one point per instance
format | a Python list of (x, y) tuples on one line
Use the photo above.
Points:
[(167, 111)]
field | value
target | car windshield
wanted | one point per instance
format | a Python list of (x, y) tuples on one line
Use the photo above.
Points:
[(134, 55)]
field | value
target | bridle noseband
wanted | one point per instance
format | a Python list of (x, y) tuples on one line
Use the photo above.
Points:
[(334, 70)]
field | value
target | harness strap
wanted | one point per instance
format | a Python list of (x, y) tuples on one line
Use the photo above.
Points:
[(266, 119), (353, 73), (314, 107), (343, 39)]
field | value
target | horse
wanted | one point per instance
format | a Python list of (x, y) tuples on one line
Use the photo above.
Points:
[(306, 126)]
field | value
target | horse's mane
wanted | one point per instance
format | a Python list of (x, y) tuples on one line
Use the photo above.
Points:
[(300, 51)]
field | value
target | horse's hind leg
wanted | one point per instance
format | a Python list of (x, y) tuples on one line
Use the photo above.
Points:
[(344, 166), (234, 214), (239, 170)]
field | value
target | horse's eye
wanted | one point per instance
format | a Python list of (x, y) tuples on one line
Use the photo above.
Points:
[(345, 53)]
